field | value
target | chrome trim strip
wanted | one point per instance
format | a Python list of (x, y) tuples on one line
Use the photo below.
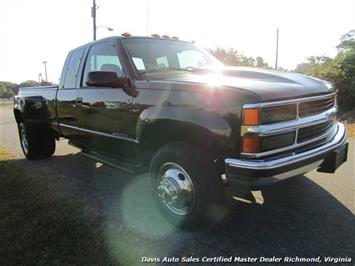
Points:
[(283, 127), (97, 133), (286, 102), (297, 111), (338, 139)]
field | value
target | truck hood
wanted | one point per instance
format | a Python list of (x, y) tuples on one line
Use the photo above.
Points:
[(268, 85)]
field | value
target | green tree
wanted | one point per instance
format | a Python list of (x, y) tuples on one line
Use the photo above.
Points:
[(261, 63), (313, 64), (5, 92), (340, 70), (347, 41), (231, 57), (246, 61), (342, 74), (9, 89), (29, 83)]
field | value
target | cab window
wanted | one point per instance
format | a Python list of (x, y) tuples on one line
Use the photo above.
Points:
[(161, 57), (191, 58), (138, 62), (102, 57), (162, 61)]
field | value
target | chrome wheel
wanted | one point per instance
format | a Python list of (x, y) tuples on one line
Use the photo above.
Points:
[(24, 142), (175, 189)]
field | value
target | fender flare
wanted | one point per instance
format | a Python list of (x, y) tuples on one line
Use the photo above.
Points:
[(31, 110), (164, 124)]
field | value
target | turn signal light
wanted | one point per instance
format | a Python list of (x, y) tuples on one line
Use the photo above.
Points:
[(251, 144), (251, 117)]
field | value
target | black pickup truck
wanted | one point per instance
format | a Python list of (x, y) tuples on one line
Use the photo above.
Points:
[(167, 106)]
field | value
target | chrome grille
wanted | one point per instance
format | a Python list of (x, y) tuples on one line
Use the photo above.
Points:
[(315, 107), (315, 131), (314, 125)]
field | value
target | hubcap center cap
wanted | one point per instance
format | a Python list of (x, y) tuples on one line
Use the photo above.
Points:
[(169, 190)]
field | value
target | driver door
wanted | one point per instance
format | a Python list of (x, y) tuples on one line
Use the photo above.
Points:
[(104, 112)]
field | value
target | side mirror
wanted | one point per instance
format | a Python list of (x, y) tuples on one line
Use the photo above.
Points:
[(105, 79)]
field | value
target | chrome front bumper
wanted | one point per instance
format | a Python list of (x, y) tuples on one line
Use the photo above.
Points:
[(255, 173)]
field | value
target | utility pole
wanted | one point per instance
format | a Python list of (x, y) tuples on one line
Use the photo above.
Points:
[(277, 49), (45, 69), (93, 14)]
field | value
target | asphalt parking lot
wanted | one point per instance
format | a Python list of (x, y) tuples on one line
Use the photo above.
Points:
[(306, 216)]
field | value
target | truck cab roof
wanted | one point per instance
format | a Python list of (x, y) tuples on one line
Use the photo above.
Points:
[(122, 37)]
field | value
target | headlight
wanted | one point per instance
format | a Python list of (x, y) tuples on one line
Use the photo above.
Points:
[(276, 114), (268, 115)]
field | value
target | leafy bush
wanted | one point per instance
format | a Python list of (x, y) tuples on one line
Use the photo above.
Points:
[(340, 70)]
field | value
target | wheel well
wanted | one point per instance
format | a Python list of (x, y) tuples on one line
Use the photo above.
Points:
[(18, 116)]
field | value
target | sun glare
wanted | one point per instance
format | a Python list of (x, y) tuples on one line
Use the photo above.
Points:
[(214, 79)]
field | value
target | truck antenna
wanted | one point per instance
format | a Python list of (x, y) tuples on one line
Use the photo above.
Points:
[(277, 49)]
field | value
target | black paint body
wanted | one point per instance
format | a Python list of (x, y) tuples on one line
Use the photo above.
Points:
[(133, 123)]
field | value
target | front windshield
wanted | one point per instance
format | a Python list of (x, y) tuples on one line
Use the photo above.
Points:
[(167, 56)]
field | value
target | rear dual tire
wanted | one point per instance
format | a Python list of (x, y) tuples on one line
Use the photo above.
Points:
[(36, 142)]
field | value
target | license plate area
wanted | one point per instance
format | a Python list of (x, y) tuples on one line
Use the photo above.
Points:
[(335, 159)]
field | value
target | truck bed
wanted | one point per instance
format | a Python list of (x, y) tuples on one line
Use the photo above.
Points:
[(40, 103)]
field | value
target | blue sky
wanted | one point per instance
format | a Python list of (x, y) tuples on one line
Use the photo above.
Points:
[(38, 30)]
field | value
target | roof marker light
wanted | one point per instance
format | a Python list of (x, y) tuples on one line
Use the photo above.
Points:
[(156, 35), (126, 34), (165, 36)]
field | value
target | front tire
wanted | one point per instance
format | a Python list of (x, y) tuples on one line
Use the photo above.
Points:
[(36, 143), (186, 186)]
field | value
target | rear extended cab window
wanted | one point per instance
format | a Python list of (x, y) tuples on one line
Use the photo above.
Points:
[(72, 70)]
